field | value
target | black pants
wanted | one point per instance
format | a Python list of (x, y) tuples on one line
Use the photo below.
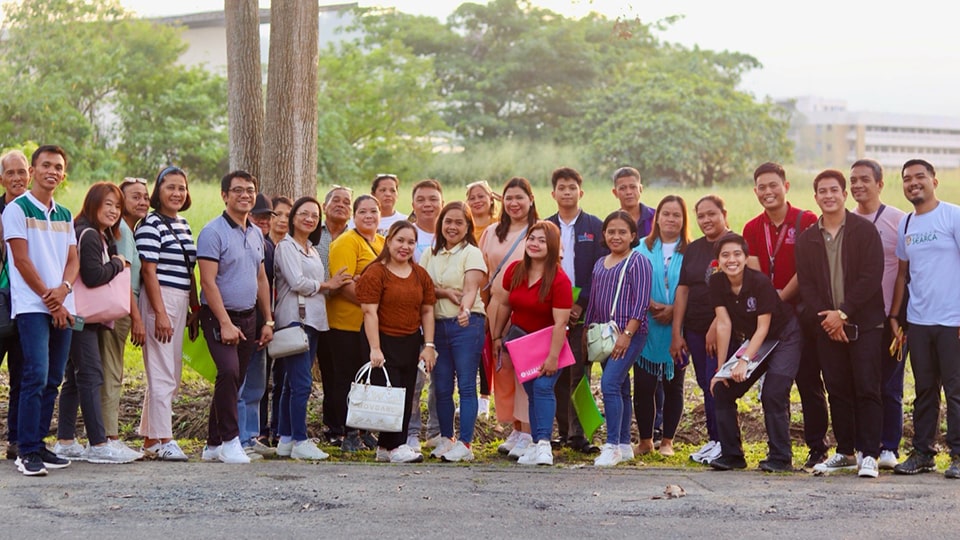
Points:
[(231, 362), (781, 368), (568, 424), (645, 389), (935, 358), (851, 372), (349, 351), (82, 380), (333, 416), (10, 347), (402, 354), (813, 397)]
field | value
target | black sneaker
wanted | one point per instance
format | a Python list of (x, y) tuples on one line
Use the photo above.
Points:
[(31, 465), (728, 463), (815, 458), (953, 471), (775, 466), (12, 452), (916, 463), (351, 443), (51, 461)]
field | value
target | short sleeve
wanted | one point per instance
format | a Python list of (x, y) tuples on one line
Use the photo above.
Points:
[(474, 260), (209, 243), (767, 297), (901, 239), (429, 292), (717, 283), (508, 274), (147, 238), (14, 223), (343, 254), (370, 286), (562, 291)]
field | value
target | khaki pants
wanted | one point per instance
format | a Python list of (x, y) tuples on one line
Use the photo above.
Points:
[(112, 341), (162, 363)]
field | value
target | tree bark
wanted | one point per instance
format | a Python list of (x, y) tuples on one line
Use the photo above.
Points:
[(245, 85), (290, 138)]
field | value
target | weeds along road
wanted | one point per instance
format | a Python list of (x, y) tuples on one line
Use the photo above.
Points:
[(349, 500)]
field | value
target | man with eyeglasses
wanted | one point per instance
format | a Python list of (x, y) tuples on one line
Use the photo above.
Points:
[(14, 175), (234, 284)]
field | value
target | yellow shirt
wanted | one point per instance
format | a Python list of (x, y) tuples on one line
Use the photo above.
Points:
[(447, 269), (353, 252)]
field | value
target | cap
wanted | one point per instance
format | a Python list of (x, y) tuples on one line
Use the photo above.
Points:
[(262, 206)]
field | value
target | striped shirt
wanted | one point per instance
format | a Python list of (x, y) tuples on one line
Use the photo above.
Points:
[(158, 245), (634, 295)]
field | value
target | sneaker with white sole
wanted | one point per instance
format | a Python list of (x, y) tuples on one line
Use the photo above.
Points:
[(31, 465), (868, 468), (626, 452), (414, 443), (609, 456), (124, 449), (698, 456), (713, 454), (285, 449), (441, 448), (458, 452), (434, 441), (106, 454), (511, 441), (232, 452), (405, 454), (51, 460), (210, 453), (483, 407), (383, 455), (251, 452), (307, 449), (73, 451), (168, 451), (539, 454), (261, 449), (836, 462), (525, 441), (887, 460)]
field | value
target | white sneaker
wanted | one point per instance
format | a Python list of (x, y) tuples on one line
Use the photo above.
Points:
[(507, 445), (888, 460), (539, 454), (73, 451), (251, 453), (307, 449), (441, 448), (414, 443), (433, 442), (124, 449), (713, 454), (704, 450), (458, 452), (170, 451), (232, 452), (383, 455), (210, 453), (609, 456), (483, 407), (285, 449), (525, 441), (105, 454), (405, 454), (868, 468), (837, 462), (626, 452)]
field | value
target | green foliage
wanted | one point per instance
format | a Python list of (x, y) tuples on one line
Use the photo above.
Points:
[(69, 66), (499, 160)]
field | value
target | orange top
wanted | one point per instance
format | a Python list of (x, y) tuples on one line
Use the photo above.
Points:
[(398, 299)]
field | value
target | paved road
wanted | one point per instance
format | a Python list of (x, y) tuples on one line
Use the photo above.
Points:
[(348, 500)]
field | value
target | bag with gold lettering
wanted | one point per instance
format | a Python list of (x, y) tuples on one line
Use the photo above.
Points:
[(375, 408)]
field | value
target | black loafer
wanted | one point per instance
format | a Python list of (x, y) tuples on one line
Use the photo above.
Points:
[(729, 463), (773, 466), (582, 445)]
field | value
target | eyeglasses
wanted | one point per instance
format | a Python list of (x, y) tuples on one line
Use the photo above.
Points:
[(132, 180), (312, 215), (244, 191), (480, 183), (335, 187), (385, 175)]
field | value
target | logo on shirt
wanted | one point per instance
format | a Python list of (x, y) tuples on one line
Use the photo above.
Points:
[(585, 237), (751, 304), (920, 238)]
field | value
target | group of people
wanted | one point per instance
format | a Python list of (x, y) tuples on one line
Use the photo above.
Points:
[(439, 293)]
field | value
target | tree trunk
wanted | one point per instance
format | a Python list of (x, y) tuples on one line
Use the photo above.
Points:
[(245, 85), (290, 138)]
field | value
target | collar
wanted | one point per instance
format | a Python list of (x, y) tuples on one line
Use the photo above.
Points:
[(842, 223), (572, 222), (456, 249), (233, 224), (786, 217), (29, 195)]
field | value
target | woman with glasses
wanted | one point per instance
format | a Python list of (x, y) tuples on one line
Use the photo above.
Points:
[(501, 246), (168, 255), (301, 300), (350, 253)]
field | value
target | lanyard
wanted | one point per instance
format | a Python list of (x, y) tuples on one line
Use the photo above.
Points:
[(772, 251), (879, 211)]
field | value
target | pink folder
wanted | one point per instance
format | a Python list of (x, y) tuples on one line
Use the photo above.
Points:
[(529, 352)]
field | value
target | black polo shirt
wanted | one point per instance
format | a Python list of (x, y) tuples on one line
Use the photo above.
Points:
[(757, 297), (695, 272)]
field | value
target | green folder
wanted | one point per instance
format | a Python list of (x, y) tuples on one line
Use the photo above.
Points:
[(586, 407), (197, 357)]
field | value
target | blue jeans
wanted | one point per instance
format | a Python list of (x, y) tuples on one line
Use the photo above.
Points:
[(891, 393), (10, 347), (542, 405), (297, 382), (458, 353), (251, 392), (45, 352), (615, 386), (705, 366)]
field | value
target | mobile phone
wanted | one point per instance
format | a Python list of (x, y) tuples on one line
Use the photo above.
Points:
[(852, 331), (78, 323), (216, 334)]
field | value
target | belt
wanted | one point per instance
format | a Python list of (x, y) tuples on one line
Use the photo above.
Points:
[(241, 314)]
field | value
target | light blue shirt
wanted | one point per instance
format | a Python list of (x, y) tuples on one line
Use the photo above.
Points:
[(931, 245)]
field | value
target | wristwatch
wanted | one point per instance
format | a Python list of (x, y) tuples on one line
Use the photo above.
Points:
[(843, 316), (628, 333), (68, 286), (745, 358), (270, 323)]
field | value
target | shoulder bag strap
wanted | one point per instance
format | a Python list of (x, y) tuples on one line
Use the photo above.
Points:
[(183, 249), (503, 261), (616, 295)]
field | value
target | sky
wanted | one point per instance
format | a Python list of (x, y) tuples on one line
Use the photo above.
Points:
[(901, 59)]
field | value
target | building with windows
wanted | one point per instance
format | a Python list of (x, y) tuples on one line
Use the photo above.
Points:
[(826, 134)]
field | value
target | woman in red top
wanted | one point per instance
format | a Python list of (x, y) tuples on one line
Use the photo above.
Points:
[(397, 298), (541, 296)]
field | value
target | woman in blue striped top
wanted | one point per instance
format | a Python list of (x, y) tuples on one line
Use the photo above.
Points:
[(168, 252), (620, 237)]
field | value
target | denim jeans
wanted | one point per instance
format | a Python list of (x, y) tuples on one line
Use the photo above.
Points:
[(458, 354), (705, 366), (45, 351), (891, 393), (297, 382), (542, 404), (83, 378), (615, 386), (10, 347), (251, 392)]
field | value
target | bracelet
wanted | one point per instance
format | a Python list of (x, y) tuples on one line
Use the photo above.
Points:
[(430, 344), (194, 309)]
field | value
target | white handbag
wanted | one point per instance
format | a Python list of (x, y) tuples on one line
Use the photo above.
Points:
[(291, 340), (375, 408)]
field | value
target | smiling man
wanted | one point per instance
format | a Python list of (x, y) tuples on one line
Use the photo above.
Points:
[(839, 271)]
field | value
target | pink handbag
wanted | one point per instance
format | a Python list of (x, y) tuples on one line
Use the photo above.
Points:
[(529, 352), (106, 303)]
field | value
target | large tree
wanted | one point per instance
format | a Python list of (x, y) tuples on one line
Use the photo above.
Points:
[(245, 79)]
